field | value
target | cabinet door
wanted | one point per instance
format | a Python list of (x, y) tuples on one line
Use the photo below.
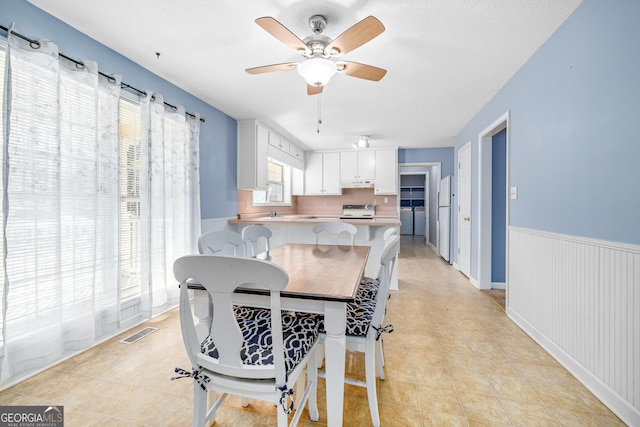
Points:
[(284, 145), (313, 174), (278, 142), (297, 182), (296, 152), (262, 141), (331, 173), (253, 139), (366, 164), (348, 165), (386, 172)]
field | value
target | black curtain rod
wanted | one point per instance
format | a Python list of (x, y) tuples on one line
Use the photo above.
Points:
[(35, 44)]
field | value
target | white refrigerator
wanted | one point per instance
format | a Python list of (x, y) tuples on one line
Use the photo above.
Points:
[(444, 218)]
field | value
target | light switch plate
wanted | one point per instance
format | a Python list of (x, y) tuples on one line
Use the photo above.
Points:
[(514, 193)]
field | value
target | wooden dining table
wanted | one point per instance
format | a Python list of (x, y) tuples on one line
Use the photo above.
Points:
[(322, 279)]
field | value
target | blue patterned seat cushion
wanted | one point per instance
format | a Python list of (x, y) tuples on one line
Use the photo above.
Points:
[(359, 315), (300, 332), (368, 288)]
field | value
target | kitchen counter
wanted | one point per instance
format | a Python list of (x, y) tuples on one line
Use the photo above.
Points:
[(298, 228), (314, 219)]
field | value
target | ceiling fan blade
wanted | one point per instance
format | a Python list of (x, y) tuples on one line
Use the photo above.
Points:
[(357, 35), (282, 33), (314, 90), (362, 71), (274, 67)]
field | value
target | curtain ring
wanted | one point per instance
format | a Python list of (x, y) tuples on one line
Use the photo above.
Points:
[(111, 79), (34, 44), (174, 108), (80, 65)]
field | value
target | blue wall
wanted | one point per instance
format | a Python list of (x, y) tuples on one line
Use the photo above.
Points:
[(217, 135), (574, 129), (424, 155)]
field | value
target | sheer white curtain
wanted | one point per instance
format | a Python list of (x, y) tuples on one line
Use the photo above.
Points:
[(169, 198), (61, 204), (61, 194)]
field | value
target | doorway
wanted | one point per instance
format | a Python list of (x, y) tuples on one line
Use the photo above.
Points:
[(493, 218), (431, 173), (414, 196)]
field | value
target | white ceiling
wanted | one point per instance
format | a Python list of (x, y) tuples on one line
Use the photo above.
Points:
[(445, 59)]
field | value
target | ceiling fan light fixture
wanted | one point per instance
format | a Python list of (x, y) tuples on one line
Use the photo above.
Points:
[(317, 71), (361, 142)]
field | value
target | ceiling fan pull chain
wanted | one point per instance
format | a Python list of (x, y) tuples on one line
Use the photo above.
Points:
[(319, 113)]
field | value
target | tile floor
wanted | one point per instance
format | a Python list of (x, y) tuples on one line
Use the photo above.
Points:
[(454, 359)]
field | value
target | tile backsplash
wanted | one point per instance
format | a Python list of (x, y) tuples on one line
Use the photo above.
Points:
[(323, 205), (332, 205)]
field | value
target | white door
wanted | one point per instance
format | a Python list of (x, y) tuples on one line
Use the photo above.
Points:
[(464, 209)]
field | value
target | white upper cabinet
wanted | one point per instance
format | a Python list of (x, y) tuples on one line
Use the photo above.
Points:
[(256, 144), (253, 142), (386, 175), (296, 152), (278, 142), (280, 149), (322, 174), (356, 165)]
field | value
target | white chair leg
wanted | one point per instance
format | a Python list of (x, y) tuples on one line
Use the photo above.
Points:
[(200, 408), (380, 358), (283, 418), (312, 380), (300, 387), (370, 372), (320, 355), (244, 401)]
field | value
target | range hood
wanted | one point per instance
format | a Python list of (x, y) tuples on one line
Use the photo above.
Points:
[(357, 183)]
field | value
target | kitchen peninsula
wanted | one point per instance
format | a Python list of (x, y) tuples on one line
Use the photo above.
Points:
[(294, 224)]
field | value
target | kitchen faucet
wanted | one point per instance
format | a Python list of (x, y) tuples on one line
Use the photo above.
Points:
[(274, 212)]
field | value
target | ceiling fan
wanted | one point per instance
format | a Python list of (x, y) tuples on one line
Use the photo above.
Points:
[(319, 50)]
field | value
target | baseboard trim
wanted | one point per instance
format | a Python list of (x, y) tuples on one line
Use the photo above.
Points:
[(498, 285), (627, 413)]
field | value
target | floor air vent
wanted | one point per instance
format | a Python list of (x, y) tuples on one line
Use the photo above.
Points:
[(138, 335)]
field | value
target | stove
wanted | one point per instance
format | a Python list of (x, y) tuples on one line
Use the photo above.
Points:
[(358, 212)]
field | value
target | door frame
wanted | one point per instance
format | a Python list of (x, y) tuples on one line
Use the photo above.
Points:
[(469, 147), (419, 168), (485, 141)]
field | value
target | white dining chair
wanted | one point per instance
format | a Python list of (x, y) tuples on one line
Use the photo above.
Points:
[(391, 231), (257, 239), (369, 285), (365, 328), (331, 231), (221, 242), (233, 358)]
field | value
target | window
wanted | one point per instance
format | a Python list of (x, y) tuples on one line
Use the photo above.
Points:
[(278, 191), (129, 198)]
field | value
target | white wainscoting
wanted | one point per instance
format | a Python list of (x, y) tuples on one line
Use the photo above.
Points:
[(215, 224), (579, 298)]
